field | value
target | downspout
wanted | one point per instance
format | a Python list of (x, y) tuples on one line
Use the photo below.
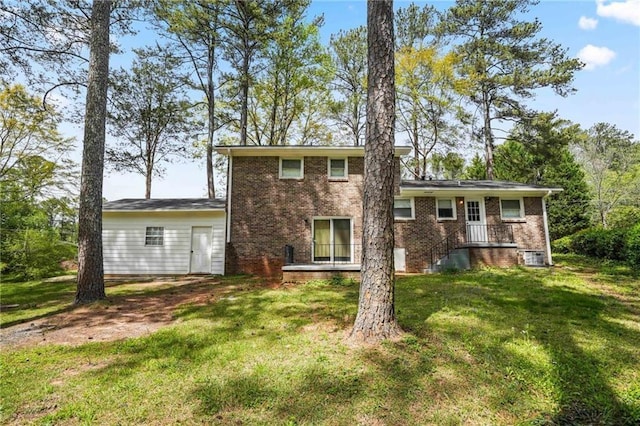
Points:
[(229, 183), (546, 227)]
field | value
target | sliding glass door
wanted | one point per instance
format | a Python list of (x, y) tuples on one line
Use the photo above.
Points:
[(332, 240)]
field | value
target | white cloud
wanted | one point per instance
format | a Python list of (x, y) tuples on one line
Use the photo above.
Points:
[(594, 56), (587, 23), (626, 11)]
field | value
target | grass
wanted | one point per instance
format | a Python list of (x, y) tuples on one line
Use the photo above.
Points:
[(517, 346)]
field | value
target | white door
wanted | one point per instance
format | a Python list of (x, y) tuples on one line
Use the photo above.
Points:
[(476, 220), (400, 259), (201, 250)]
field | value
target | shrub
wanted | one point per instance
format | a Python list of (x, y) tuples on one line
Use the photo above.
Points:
[(600, 243), (38, 253), (624, 217), (633, 246), (562, 245)]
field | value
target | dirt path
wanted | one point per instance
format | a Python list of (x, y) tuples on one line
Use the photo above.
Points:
[(119, 317)]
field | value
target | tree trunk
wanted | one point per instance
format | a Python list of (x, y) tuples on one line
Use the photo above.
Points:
[(244, 101), (488, 136), (211, 116), (90, 268), (148, 177), (376, 316)]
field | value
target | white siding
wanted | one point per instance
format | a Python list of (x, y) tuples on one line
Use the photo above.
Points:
[(123, 238)]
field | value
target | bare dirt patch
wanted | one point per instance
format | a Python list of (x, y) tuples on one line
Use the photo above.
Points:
[(121, 317)]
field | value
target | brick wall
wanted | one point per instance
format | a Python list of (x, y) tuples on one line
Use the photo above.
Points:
[(268, 213), (419, 236)]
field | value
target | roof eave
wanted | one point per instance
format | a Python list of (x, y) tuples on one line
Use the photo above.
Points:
[(216, 209), (452, 191), (299, 150)]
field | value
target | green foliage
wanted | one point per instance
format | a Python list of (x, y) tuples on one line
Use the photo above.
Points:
[(449, 166), (569, 211), (27, 130), (610, 158), (36, 253), (562, 245), (505, 60), (37, 215), (537, 153), (348, 51), (601, 243), (290, 94), (633, 246), (428, 107), (624, 217), (476, 170)]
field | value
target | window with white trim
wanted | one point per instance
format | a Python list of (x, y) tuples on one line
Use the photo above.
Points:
[(511, 208), (446, 208), (403, 208), (154, 236), (337, 169), (291, 168)]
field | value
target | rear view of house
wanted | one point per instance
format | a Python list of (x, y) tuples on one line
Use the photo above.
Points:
[(164, 236), (297, 211)]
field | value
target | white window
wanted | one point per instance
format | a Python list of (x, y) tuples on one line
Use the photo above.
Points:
[(338, 169), (446, 208), (403, 208), (511, 208), (154, 236), (291, 168)]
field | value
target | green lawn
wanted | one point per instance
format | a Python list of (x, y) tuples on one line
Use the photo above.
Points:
[(517, 346)]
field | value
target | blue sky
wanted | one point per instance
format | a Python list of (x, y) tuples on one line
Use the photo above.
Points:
[(602, 33)]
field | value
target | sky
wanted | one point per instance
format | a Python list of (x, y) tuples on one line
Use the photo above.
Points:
[(604, 34)]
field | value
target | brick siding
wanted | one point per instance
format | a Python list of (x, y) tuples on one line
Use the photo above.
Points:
[(268, 213)]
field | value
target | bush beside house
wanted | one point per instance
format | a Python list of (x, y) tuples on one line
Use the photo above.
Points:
[(613, 244)]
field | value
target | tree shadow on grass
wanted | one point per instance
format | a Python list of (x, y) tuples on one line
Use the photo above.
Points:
[(558, 317), (263, 367)]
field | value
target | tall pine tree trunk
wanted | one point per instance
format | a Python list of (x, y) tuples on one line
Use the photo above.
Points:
[(376, 315), (487, 135), (90, 268), (211, 117)]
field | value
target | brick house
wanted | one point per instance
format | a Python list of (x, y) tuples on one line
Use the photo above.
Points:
[(296, 212)]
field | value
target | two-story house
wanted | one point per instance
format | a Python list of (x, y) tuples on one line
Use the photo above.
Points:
[(296, 212)]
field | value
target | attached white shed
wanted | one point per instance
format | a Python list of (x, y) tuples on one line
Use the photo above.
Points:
[(164, 236)]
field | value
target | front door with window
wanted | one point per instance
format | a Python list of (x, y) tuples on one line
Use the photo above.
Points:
[(476, 220), (332, 240)]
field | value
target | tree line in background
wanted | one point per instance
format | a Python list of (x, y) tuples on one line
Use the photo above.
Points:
[(248, 72)]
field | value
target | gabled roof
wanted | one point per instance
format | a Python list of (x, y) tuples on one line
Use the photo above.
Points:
[(478, 187), (298, 150), (164, 204)]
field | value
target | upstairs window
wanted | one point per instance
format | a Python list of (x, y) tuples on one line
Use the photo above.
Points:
[(446, 208), (154, 236), (338, 169), (291, 168), (403, 208), (511, 209)]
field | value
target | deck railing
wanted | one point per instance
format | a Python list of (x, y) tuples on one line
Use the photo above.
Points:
[(472, 234), (335, 253)]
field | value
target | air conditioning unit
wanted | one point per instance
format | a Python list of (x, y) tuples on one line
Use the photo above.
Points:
[(534, 258)]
